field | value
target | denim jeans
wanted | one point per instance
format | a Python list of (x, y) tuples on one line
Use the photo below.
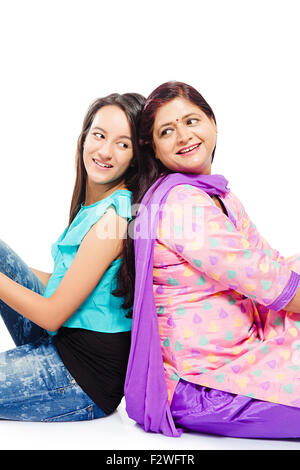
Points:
[(34, 383)]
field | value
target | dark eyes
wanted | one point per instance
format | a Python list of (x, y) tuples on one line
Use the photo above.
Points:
[(188, 122), (192, 121), (125, 146), (98, 135), (166, 131)]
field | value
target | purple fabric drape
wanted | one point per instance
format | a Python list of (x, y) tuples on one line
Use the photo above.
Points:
[(206, 410), (145, 387)]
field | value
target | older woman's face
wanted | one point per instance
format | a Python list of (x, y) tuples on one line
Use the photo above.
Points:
[(184, 137)]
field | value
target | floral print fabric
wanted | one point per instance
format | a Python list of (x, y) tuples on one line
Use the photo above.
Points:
[(219, 290)]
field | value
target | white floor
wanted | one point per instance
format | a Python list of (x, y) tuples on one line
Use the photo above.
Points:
[(116, 432)]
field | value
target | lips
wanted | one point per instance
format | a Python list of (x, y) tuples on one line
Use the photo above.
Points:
[(189, 149), (102, 164)]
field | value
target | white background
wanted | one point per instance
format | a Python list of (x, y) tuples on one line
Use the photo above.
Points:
[(58, 56)]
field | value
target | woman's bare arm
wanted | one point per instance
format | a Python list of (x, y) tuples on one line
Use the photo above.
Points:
[(90, 263)]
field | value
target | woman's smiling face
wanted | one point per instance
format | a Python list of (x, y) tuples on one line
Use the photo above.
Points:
[(108, 147), (184, 137)]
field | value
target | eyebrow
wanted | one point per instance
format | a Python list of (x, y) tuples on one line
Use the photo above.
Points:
[(102, 130), (183, 117)]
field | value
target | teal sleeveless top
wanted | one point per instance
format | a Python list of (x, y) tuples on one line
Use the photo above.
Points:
[(101, 311)]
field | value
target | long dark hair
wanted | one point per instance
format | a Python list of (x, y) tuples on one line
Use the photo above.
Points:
[(134, 177), (152, 168), (132, 105)]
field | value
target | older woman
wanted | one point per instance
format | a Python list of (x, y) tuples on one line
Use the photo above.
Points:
[(215, 344)]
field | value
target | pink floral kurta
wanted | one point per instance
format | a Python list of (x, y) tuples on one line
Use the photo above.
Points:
[(220, 290)]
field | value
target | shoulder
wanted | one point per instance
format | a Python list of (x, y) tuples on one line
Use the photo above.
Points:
[(110, 226), (184, 193), (103, 242), (121, 202), (234, 204), (232, 197)]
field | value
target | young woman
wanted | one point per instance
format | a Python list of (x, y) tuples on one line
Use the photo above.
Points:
[(221, 304), (72, 327)]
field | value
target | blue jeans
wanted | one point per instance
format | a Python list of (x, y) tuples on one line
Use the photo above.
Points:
[(34, 383)]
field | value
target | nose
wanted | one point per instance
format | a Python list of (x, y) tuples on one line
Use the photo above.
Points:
[(183, 134), (104, 151)]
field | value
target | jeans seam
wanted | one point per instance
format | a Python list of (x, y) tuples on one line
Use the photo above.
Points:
[(41, 392), (90, 409)]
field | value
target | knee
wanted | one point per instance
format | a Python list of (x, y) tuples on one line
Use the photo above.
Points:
[(6, 256), (5, 249), (3, 246)]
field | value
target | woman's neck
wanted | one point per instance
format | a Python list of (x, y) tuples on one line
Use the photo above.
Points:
[(96, 193)]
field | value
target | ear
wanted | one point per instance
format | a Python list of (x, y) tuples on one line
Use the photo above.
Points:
[(213, 124)]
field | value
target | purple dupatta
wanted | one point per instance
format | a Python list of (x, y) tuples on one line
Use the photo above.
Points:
[(145, 386)]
